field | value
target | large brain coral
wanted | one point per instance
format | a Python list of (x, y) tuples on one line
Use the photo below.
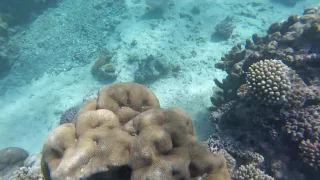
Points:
[(124, 134)]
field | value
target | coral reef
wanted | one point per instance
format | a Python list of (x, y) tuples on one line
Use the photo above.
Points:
[(124, 134), (311, 153), (250, 172), (270, 100), (303, 123)]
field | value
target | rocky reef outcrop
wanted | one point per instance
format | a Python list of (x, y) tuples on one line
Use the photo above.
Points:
[(269, 102)]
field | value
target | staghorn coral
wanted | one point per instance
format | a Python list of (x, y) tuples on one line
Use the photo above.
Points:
[(124, 134), (311, 153), (250, 172)]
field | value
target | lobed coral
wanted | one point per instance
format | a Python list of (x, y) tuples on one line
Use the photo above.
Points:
[(124, 134)]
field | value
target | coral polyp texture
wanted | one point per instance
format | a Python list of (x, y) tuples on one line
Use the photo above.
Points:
[(250, 172), (124, 134), (303, 123), (269, 82), (270, 98), (311, 153)]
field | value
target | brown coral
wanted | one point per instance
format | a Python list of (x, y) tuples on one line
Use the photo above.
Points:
[(250, 172), (129, 135), (127, 100), (311, 153), (295, 42), (303, 123)]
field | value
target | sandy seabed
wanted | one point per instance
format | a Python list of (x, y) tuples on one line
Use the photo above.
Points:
[(31, 110)]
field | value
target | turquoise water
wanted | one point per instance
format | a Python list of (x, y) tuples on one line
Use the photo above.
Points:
[(53, 47)]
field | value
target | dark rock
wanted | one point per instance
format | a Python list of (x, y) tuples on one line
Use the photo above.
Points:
[(11, 159)]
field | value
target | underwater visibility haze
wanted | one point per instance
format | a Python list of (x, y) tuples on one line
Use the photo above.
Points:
[(159, 90)]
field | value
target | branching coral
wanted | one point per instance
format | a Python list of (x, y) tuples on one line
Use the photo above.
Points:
[(311, 153), (250, 172), (124, 134), (303, 123), (280, 70)]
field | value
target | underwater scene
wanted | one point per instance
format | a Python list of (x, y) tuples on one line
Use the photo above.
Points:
[(159, 90)]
